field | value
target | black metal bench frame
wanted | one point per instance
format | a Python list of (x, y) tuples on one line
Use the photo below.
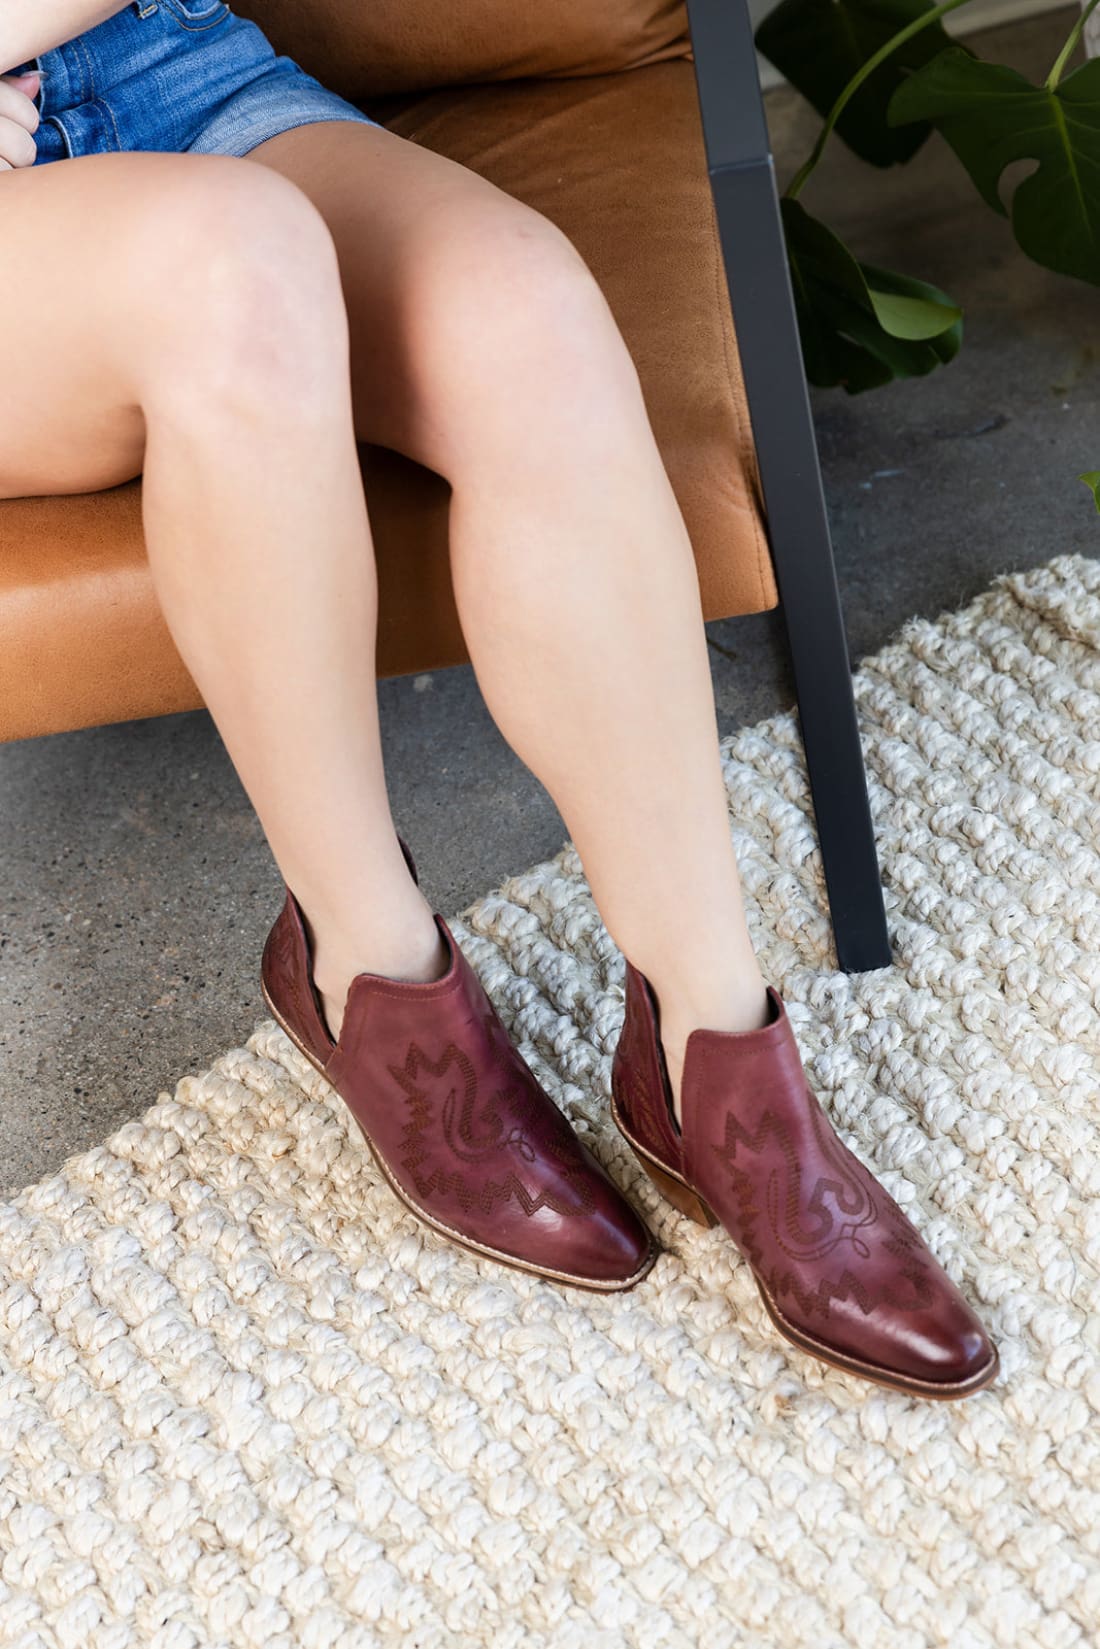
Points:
[(746, 204)]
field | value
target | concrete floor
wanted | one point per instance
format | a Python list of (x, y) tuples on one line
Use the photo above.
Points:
[(137, 884)]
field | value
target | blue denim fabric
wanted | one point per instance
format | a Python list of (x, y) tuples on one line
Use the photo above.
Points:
[(174, 75)]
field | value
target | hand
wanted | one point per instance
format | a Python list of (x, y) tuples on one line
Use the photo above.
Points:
[(18, 120)]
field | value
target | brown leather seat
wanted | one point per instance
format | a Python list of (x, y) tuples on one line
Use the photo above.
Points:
[(609, 146)]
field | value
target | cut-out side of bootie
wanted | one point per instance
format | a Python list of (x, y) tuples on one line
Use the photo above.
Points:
[(286, 974)]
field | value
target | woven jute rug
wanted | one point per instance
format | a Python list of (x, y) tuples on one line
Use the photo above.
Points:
[(246, 1400)]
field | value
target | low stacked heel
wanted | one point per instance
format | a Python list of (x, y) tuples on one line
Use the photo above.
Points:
[(677, 1193)]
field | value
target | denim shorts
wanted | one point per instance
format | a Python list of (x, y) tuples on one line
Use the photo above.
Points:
[(174, 75)]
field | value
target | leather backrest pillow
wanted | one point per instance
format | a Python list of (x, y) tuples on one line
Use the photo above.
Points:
[(371, 48)]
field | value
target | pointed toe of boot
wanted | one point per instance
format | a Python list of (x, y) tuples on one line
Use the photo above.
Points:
[(951, 1353), (935, 1349), (612, 1248)]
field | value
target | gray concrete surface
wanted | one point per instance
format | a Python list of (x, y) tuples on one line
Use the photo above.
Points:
[(137, 884)]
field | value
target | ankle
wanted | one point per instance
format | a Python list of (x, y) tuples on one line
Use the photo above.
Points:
[(411, 948), (733, 997), (419, 955), (743, 1006)]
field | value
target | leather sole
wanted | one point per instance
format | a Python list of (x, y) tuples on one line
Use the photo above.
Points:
[(677, 1191), (592, 1285)]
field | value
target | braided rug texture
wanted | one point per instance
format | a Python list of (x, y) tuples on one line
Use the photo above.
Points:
[(247, 1400)]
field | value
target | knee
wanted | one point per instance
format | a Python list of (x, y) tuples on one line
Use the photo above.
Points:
[(246, 292), (518, 328)]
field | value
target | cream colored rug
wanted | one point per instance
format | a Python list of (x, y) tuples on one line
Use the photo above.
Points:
[(245, 1400)]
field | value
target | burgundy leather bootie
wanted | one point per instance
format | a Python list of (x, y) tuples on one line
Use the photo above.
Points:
[(842, 1272), (454, 1116)]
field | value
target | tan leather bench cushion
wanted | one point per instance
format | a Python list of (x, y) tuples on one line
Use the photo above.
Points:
[(617, 161)]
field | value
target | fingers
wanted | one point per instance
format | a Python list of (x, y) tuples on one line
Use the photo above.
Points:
[(18, 120)]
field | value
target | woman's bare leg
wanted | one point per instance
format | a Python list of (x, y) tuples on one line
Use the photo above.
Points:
[(482, 347), (207, 344), (566, 521)]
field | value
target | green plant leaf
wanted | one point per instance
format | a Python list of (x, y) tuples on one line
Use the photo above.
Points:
[(820, 44), (859, 325), (992, 116), (1092, 479), (909, 308)]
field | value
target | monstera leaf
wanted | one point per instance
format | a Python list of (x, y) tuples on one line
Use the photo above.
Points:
[(992, 116), (861, 326), (820, 44), (1092, 479)]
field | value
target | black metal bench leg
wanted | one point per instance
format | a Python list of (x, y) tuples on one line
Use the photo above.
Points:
[(750, 230)]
